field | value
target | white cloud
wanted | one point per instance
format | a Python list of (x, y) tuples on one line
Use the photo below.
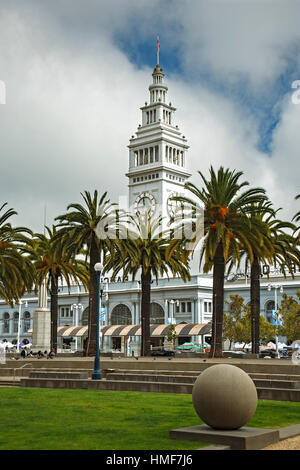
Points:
[(285, 157), (71, 108), (239, 40), (66, 123)]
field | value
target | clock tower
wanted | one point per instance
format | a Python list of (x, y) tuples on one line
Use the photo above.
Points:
[(157, 155)]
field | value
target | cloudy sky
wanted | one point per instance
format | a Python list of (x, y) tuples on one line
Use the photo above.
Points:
[(77, 71)]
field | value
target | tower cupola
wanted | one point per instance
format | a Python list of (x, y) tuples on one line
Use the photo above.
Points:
[(158, 90)]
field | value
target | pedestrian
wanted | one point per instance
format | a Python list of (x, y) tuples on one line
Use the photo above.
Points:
[(23, 353), (51, 354)]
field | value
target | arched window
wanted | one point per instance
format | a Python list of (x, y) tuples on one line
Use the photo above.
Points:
[(26, 321), (270, 305), (120, 315), (6, 323), (157, 314)]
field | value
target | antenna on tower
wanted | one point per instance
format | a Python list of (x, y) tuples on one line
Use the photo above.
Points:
[(158, 46)]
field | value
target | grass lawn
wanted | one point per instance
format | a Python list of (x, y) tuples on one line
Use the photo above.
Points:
[(51, 419)]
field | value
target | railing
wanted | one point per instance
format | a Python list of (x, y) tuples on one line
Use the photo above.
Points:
[(21, 367)]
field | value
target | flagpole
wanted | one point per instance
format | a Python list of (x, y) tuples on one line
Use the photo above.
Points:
[(157, 49)]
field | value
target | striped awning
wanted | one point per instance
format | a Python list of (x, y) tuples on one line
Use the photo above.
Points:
[(182, 329)]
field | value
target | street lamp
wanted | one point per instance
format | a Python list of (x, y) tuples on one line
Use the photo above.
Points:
[(276, 286), (76, 307), (96, 375), (104, 299)]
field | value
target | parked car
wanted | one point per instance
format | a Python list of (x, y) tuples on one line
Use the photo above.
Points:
[(234, 352), (162, 352), (189, 347), (268, 353)]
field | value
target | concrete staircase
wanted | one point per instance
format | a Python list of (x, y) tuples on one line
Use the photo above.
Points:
[(9, 382), (282, 388), (278, 380), (269, 386)]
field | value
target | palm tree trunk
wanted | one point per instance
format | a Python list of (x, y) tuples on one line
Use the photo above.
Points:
[(145, 313), (218, 303), (53, 311), (92, 318), (255, 304)]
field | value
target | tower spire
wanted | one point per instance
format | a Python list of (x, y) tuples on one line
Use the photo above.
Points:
[(158, 46)]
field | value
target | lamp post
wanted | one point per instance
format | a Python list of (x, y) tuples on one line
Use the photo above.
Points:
[(76, 307), (96, 375), (275, 287), (104, 301), (21, 302)]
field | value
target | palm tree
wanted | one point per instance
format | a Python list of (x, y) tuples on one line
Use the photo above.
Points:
[(226, 232), (16, 271), (53, 261), (144, 251), (297, 216), (90, 227), (274, 246)]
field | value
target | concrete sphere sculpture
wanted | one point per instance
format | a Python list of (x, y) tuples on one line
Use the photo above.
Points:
[(224, 397)]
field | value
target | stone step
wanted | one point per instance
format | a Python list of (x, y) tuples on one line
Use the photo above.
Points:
[(9, 383), (263, 383), (265, 376), (269, 393), (278, 394), (104, 384), (284, 384), (19, 372), (197, 373), (152, 378), (58, 375), (175, 366), (156, 372), (175, 376)]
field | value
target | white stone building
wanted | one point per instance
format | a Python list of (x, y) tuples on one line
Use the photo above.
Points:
[(157, 170)]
